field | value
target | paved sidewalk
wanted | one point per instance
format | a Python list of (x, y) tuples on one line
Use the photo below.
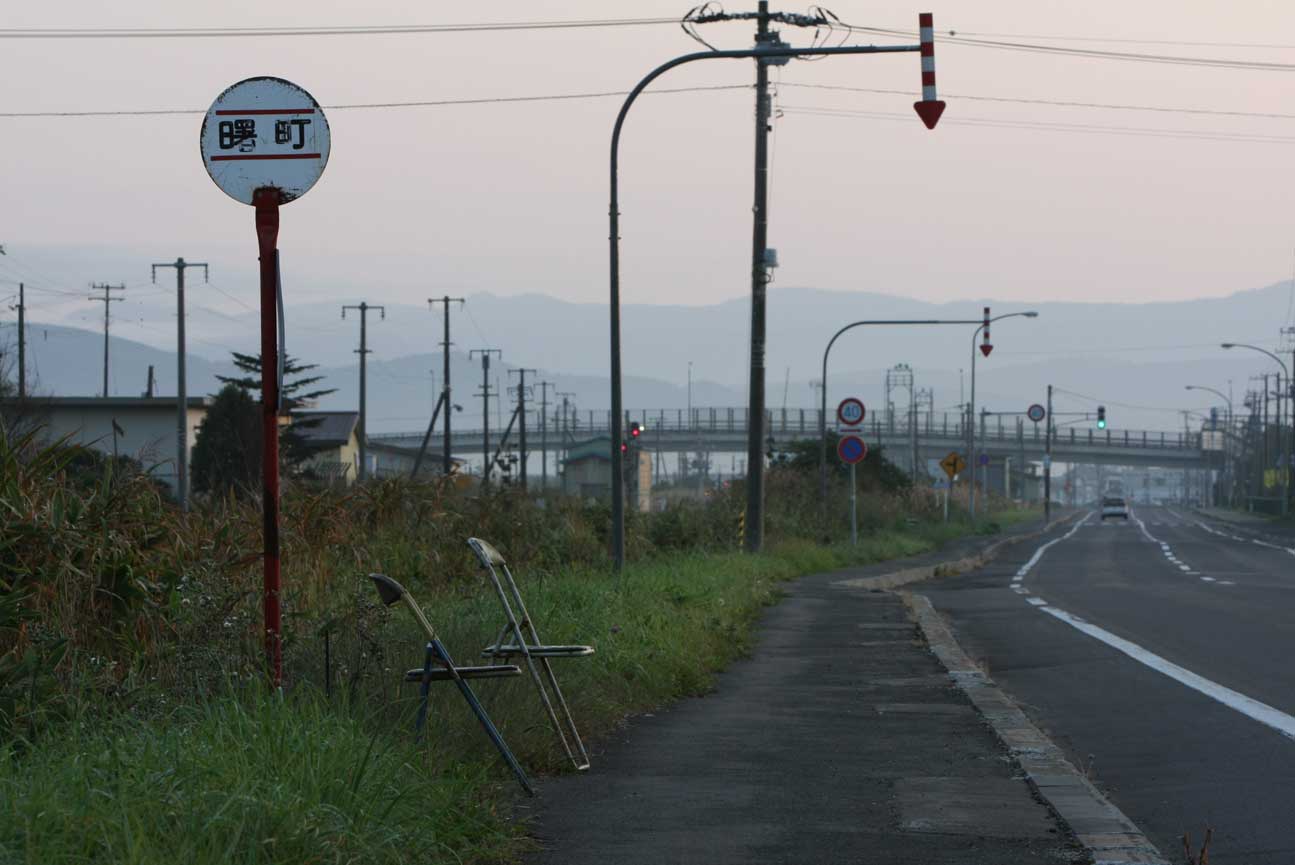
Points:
[(840, 740)]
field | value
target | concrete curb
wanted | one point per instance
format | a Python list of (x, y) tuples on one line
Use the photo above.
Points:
[(947, 569), (1109, 836)]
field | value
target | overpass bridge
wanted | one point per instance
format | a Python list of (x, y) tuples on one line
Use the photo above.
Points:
[(724, 430)]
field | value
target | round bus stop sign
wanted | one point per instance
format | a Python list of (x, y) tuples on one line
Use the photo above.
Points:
[(851, 449), (265, 133)]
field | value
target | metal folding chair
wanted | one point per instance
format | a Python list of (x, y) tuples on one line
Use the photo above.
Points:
[(438, 666), (518, 638)]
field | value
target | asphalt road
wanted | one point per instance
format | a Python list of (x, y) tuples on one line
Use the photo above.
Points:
[(840, 740), (1157, 653)]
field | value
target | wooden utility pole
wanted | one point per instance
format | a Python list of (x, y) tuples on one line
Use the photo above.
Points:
[(521, 416), (363, 351), (485, 408), (106, 300), (181, 382), (446, 404)]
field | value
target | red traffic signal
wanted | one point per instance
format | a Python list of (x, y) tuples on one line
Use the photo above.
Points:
[(636, 429), (624, 447)]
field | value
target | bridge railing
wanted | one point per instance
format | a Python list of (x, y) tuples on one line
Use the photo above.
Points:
[(878, 427)]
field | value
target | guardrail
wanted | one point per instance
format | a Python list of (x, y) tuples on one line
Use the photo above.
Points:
[(784, 424)]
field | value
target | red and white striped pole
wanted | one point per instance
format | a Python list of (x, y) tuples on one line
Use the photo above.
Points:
[(930, 108), (985, 345)]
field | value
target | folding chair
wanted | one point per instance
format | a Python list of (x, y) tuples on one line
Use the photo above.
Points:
[(438, 666), (518, 637)]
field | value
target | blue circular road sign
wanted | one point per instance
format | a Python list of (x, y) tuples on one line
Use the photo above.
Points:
[(851, 449)]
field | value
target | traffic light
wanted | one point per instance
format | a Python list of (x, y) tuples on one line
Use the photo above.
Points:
[(636, 429), (1101, 417), (624, 447)]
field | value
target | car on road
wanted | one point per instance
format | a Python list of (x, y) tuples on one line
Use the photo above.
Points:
[(1113, 507)]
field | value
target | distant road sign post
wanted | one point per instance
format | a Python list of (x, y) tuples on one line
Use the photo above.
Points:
[(1036, 413), (265, 142), (852, 450), (953, 464)]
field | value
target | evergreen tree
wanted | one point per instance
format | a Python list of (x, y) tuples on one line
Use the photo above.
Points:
[(227, 453)]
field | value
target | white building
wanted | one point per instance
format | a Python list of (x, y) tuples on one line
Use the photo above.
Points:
[(143, 428)]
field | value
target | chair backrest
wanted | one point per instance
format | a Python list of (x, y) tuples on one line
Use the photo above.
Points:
[(486, 553)]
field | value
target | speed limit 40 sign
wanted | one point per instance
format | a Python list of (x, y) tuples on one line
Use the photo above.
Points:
[(850, 412)]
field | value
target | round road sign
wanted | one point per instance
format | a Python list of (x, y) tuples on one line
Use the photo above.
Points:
[(851, 411), (265, 133), (1036, 413), (983, 459), (851, 449)]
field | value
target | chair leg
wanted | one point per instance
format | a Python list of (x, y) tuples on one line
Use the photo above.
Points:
[(486, 723), (424, 691), (548, 704), (583, 763)]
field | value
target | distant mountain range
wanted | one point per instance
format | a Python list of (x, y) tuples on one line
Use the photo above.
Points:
[(1134, 357)]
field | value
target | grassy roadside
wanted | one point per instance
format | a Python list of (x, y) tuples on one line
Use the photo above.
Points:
[(254, 778)]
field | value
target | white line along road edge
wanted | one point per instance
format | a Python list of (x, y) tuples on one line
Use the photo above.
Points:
[(1038, 554), (1251, 708)]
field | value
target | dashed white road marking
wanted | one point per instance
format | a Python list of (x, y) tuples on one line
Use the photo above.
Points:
[(1038, 602), (1038, 554), (1248, 706), (1210, 580)]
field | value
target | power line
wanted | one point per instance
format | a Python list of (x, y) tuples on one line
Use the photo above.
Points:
[(343, 30), (420, 103), (1065, 103), (1092, 53), (1144, 132)]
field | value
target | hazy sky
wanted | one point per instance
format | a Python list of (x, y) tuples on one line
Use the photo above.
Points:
[(512, 198)]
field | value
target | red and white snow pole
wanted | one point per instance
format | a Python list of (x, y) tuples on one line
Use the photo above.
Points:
[(930, 108)]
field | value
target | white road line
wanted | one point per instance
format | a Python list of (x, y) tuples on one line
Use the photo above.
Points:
[(1038, 554), (1038, 602), (1208, 579), (1248, 706), (1164, 548)]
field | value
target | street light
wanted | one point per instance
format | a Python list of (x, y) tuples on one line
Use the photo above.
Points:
[(1283, 443), (971, 412), (822, 412), (765, 54), (1227, 427)]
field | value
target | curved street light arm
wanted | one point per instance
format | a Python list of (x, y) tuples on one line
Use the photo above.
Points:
[(822, 414), (618, 481)]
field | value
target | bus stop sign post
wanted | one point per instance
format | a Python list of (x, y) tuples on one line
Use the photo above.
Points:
[(265, 142)]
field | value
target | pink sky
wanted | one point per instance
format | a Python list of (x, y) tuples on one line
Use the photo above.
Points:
[(512, 198)]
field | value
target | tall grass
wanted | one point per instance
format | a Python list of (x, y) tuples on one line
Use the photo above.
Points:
[(132, 724)]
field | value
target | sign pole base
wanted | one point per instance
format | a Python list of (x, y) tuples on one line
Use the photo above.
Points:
[(266, 201)]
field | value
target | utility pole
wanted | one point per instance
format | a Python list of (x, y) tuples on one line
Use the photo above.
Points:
[(1047, 463), (22, 342), (764, 38), (107, 300), (445, 375), (544, 435), (362, 351), (521, 417), (181, 381), (485, 408), (566, 404)]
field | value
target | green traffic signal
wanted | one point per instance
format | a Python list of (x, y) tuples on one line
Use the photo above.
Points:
[(1101, 417)]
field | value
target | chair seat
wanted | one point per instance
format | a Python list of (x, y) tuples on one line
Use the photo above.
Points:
[(441, 674), (537, 651)]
